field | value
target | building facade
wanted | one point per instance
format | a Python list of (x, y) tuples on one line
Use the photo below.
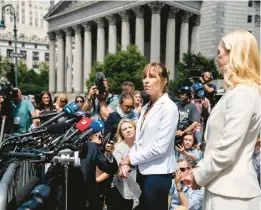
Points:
[(32, 39), (82, 32)]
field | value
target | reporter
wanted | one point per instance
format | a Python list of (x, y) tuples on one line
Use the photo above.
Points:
[(226, 170), (153, 152)]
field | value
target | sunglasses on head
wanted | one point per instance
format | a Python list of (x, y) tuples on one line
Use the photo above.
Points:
[(184, 169)]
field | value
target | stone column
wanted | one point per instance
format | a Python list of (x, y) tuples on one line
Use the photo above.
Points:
[(195, 36), (112, 34), (52, 84), (68, 59), (60, 68), (87, 53), (78, 60), (155, 31), (184, 35), (139, 36), (100, 40), (170, 41), (125, 29)]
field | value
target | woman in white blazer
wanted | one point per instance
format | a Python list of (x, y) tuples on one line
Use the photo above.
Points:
[(226, 170), (153, 152)]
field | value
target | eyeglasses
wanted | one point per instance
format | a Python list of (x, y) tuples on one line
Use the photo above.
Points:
[(184, 169), (79, 101)]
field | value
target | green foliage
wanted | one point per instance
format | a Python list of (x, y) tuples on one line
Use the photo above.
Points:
[(29, 81), (192, 65), (124, 65), (31, 88)]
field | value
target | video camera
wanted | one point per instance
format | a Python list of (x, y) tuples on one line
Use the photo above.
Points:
[(99, 78), (8, 92)]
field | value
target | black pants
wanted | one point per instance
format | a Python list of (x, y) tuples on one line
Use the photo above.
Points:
[(116, 202), (155, 191)]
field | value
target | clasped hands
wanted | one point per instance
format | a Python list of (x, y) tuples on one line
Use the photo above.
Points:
[(124, 167)]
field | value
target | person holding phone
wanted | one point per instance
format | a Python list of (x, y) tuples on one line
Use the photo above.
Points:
[(187, 148), (120, 195)]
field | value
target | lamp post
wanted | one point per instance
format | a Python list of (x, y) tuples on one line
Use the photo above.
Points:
[(9, 9)]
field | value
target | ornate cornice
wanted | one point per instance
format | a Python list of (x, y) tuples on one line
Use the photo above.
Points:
[(197, 21), (68, 31), (156, 7), (77, 29), (111, 19), (124, 16), (87, 26), (185, 17), (173, 12), (51, 35), (138, 11), (100, 22), (60, 34)]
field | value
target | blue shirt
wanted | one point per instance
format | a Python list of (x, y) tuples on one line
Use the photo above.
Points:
[(22, 115), (195, 197), (195, 152)]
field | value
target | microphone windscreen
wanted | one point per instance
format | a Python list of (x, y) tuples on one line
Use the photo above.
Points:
[(97, 126), (100, 75), (22, 193), (83, 124), (58, 127), (71, 108)]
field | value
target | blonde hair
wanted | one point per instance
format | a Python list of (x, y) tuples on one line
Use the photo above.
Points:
[(119, 135), (58, 103), (244, 60)]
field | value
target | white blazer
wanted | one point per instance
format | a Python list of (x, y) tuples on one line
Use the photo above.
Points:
[(231, 135), (153, 150)]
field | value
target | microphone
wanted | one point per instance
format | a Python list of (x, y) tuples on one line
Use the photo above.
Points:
[(67, 110), (46, 115), (95, 127), (81, 126), (23, 193), (59, 128)]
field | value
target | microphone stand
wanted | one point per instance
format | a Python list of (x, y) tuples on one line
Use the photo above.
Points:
[(64, 158)]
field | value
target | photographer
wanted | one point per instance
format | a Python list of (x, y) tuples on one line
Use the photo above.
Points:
[(203, 106), (97, 99), (189, 116), (210, 89)]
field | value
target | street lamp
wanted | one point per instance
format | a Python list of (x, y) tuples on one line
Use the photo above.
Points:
[(9, 9)]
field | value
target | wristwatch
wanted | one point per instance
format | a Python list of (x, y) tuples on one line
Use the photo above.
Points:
[(179, 189)]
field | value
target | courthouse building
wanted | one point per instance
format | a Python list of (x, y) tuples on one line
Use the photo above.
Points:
[(82, 32)]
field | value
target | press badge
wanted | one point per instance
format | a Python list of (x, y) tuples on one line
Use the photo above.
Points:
[(17, 120)]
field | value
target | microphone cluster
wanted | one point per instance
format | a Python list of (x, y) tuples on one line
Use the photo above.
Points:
[(69, 129)]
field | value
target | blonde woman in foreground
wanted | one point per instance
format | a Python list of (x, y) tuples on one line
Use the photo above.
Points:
[(226, 171)]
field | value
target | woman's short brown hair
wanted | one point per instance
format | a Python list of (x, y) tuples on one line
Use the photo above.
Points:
[(161, 71)]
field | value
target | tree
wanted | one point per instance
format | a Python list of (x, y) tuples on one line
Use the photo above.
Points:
[(193, 65), (122, 66)]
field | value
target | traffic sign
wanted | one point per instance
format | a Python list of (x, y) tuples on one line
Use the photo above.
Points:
[(18, 55)]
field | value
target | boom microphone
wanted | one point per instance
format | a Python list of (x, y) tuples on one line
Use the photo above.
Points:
[(23, 193), (67, 110)]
